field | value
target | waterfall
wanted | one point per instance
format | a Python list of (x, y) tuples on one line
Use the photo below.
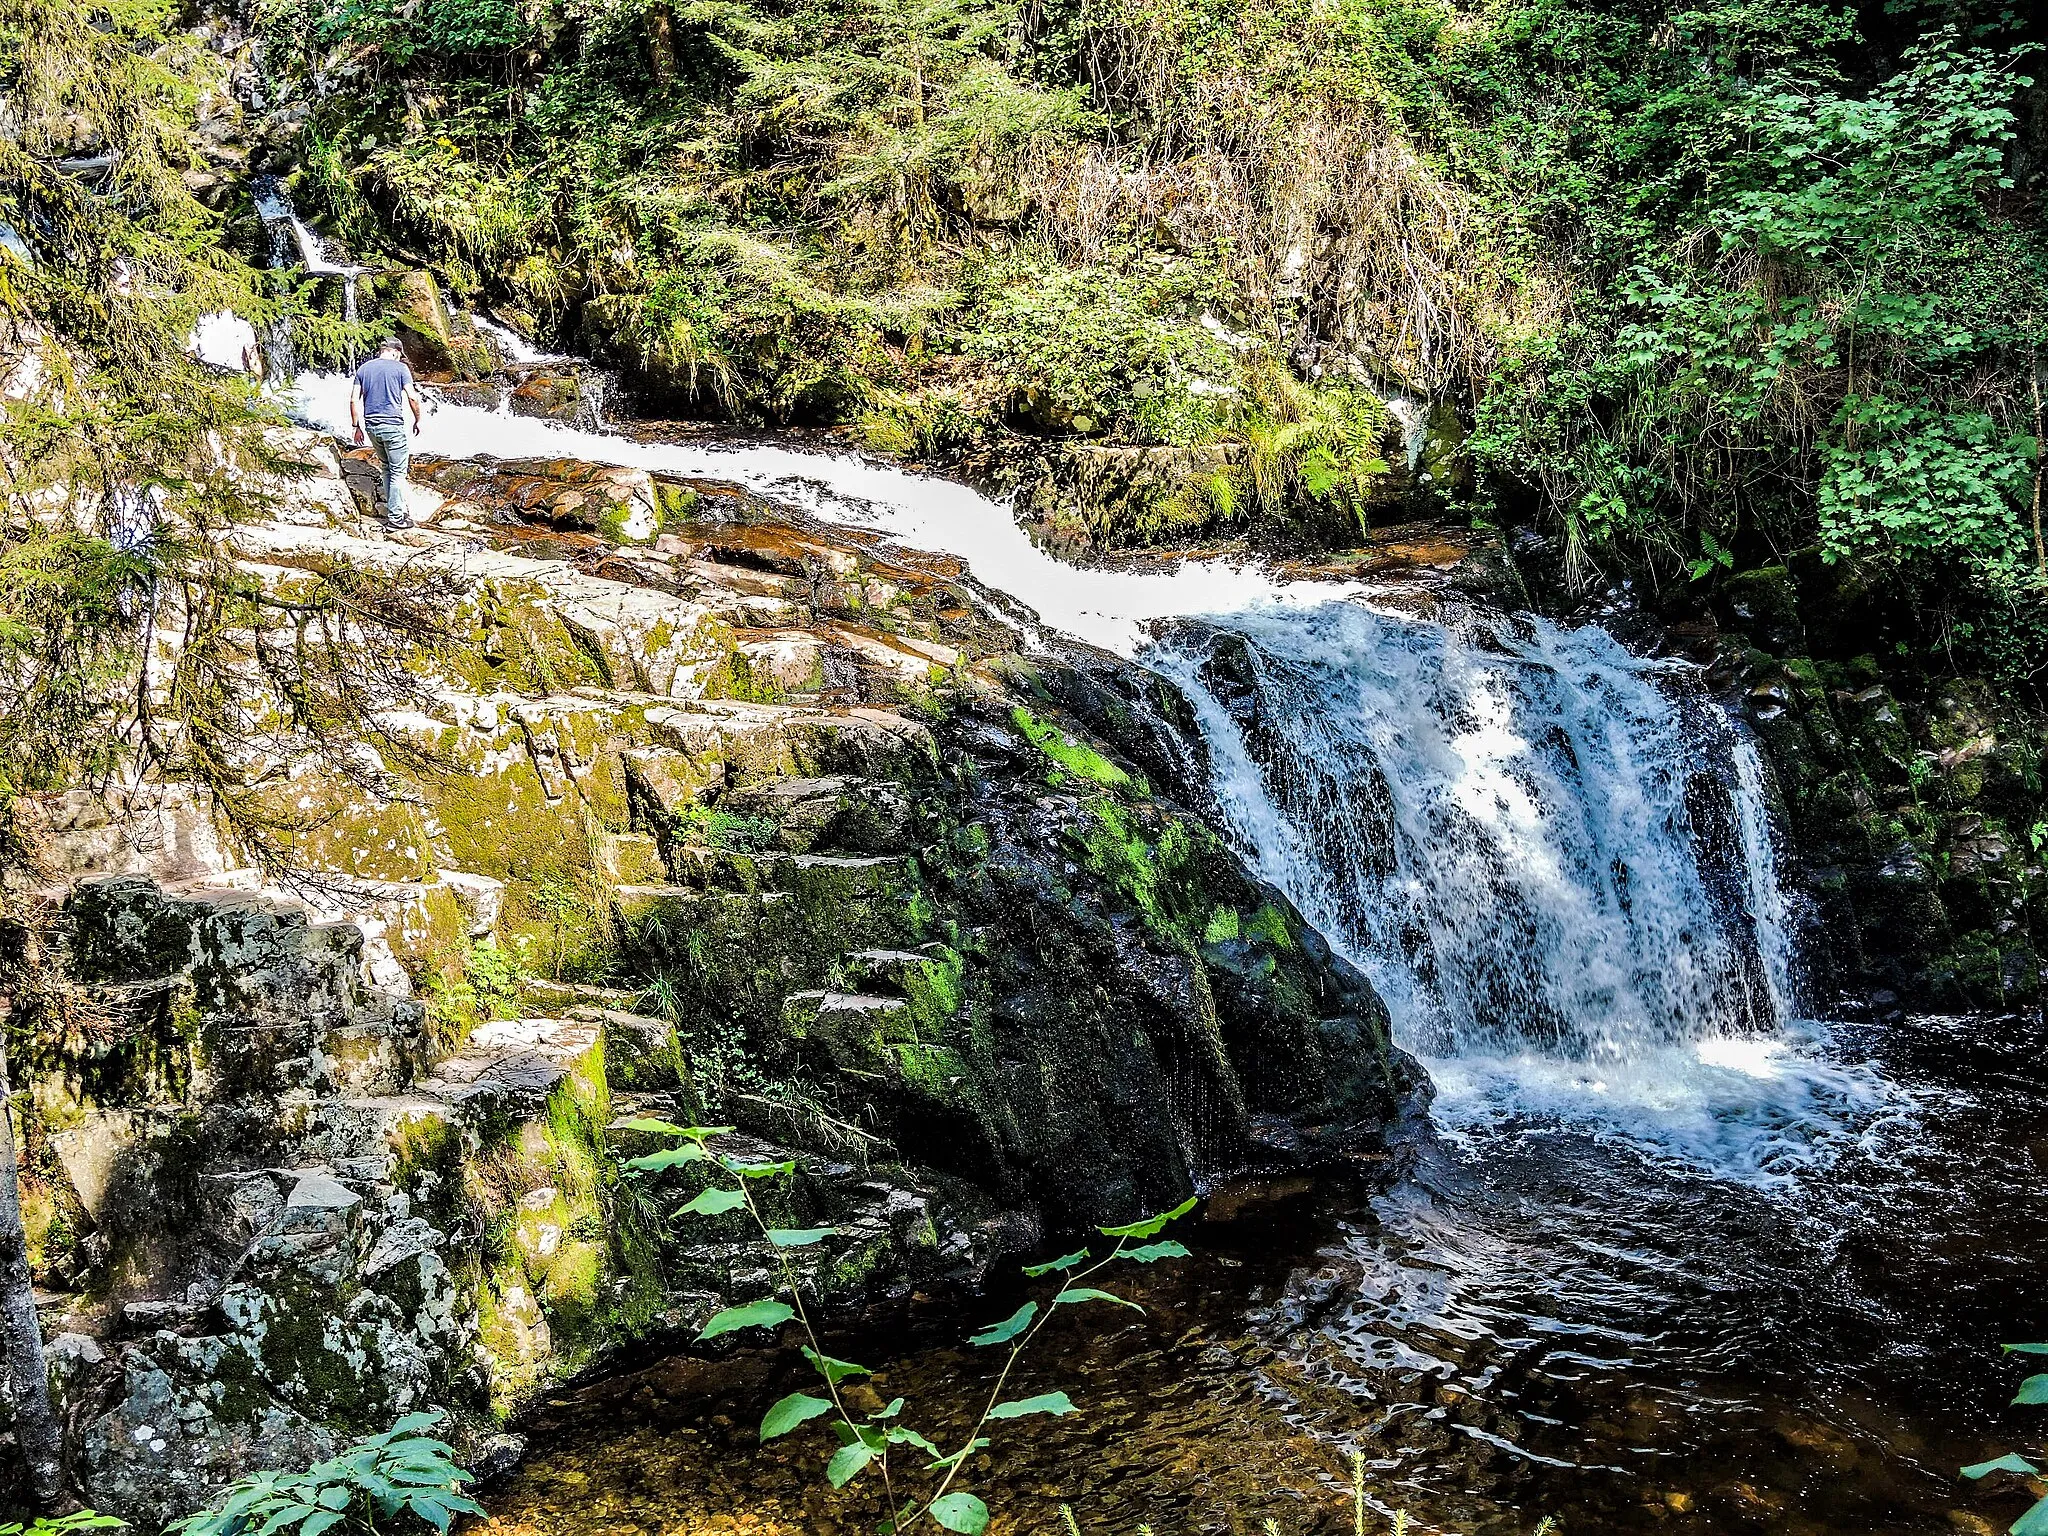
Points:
[(1501, 826), (292, 243), (515, 349), (289, 235), (1554, 859), (1767, 907)]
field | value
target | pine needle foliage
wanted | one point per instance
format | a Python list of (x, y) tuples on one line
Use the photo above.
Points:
[(134, 648)]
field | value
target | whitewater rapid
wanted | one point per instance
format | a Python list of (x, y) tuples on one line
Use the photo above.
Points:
[(1555, 861), (1498, 828)]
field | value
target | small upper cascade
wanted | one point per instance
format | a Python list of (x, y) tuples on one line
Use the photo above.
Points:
[(515, 350), (1769, 913), (274, 207), (290, 239)]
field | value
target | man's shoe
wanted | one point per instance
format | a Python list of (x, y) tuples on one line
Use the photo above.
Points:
[(398, 524)]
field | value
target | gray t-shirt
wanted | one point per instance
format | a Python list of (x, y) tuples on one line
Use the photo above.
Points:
[(383, 381)]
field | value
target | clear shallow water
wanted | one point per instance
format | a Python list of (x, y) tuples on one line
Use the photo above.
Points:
[(1675, 1258)]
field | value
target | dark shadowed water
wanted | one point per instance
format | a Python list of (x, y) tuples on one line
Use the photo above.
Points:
[(1537, 1321)]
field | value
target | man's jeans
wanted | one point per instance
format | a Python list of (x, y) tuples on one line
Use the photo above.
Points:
[(394, 450)]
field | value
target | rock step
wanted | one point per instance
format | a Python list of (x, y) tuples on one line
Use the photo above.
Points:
[(769, 741), (640, 1052), (734, 956), (875, 1038), (628, 858), (504, 1073), (853, 1030), (815, 1004), (509, 1067), (912, 973), (566, 996), (823, 876), (842, 811)]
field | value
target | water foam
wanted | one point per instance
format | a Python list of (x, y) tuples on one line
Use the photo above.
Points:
[(1759, 1109)]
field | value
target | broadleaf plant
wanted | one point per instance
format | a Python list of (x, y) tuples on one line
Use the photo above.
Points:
[(869, 1441), (2033, 1390), (62, 1525), (370, 1486)]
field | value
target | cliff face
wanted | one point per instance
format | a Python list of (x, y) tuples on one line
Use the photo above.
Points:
[(1913, 800), (726, 817)]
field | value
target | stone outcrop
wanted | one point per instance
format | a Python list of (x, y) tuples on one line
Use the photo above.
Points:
[(1915, 804), (734, 818)]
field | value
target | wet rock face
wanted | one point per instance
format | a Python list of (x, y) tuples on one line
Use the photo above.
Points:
[(247, 1275), (1914, 802), (1915, 817), (758, 823)]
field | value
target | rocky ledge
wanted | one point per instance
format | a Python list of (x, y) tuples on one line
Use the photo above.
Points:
[(717, 814)]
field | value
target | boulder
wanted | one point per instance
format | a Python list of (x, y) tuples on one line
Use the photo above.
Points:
[(423, 323)]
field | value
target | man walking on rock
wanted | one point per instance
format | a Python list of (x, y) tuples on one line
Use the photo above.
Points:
[(376, 406)]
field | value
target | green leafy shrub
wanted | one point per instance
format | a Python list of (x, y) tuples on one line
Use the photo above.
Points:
[(714, 828), (2034, 1390), (468, 211), (1795, 287), (404, 29), (485, 986), (63, 1525), (1906, 480), (1099, 350), (377, 1479), (869, 1441)]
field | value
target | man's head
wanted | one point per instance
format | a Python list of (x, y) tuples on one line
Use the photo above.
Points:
[(391, 347)]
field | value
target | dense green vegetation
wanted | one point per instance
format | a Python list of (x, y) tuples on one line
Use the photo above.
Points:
[(1697, 289), (1710, 283)]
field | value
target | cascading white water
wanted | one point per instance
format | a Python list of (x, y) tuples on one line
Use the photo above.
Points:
[(512, 346), (289, 239), (1501, 831), (1109, 608), (274, 207), (1769, 914), (1555, 865)]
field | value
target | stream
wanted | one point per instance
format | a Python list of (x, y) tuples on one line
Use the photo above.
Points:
[(1677, 1251)]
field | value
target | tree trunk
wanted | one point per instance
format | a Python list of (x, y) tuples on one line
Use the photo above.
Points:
[(28, 1376), (661, 45)]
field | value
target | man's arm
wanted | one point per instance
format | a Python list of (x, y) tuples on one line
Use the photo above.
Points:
[(355, 411), (412, 398)]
